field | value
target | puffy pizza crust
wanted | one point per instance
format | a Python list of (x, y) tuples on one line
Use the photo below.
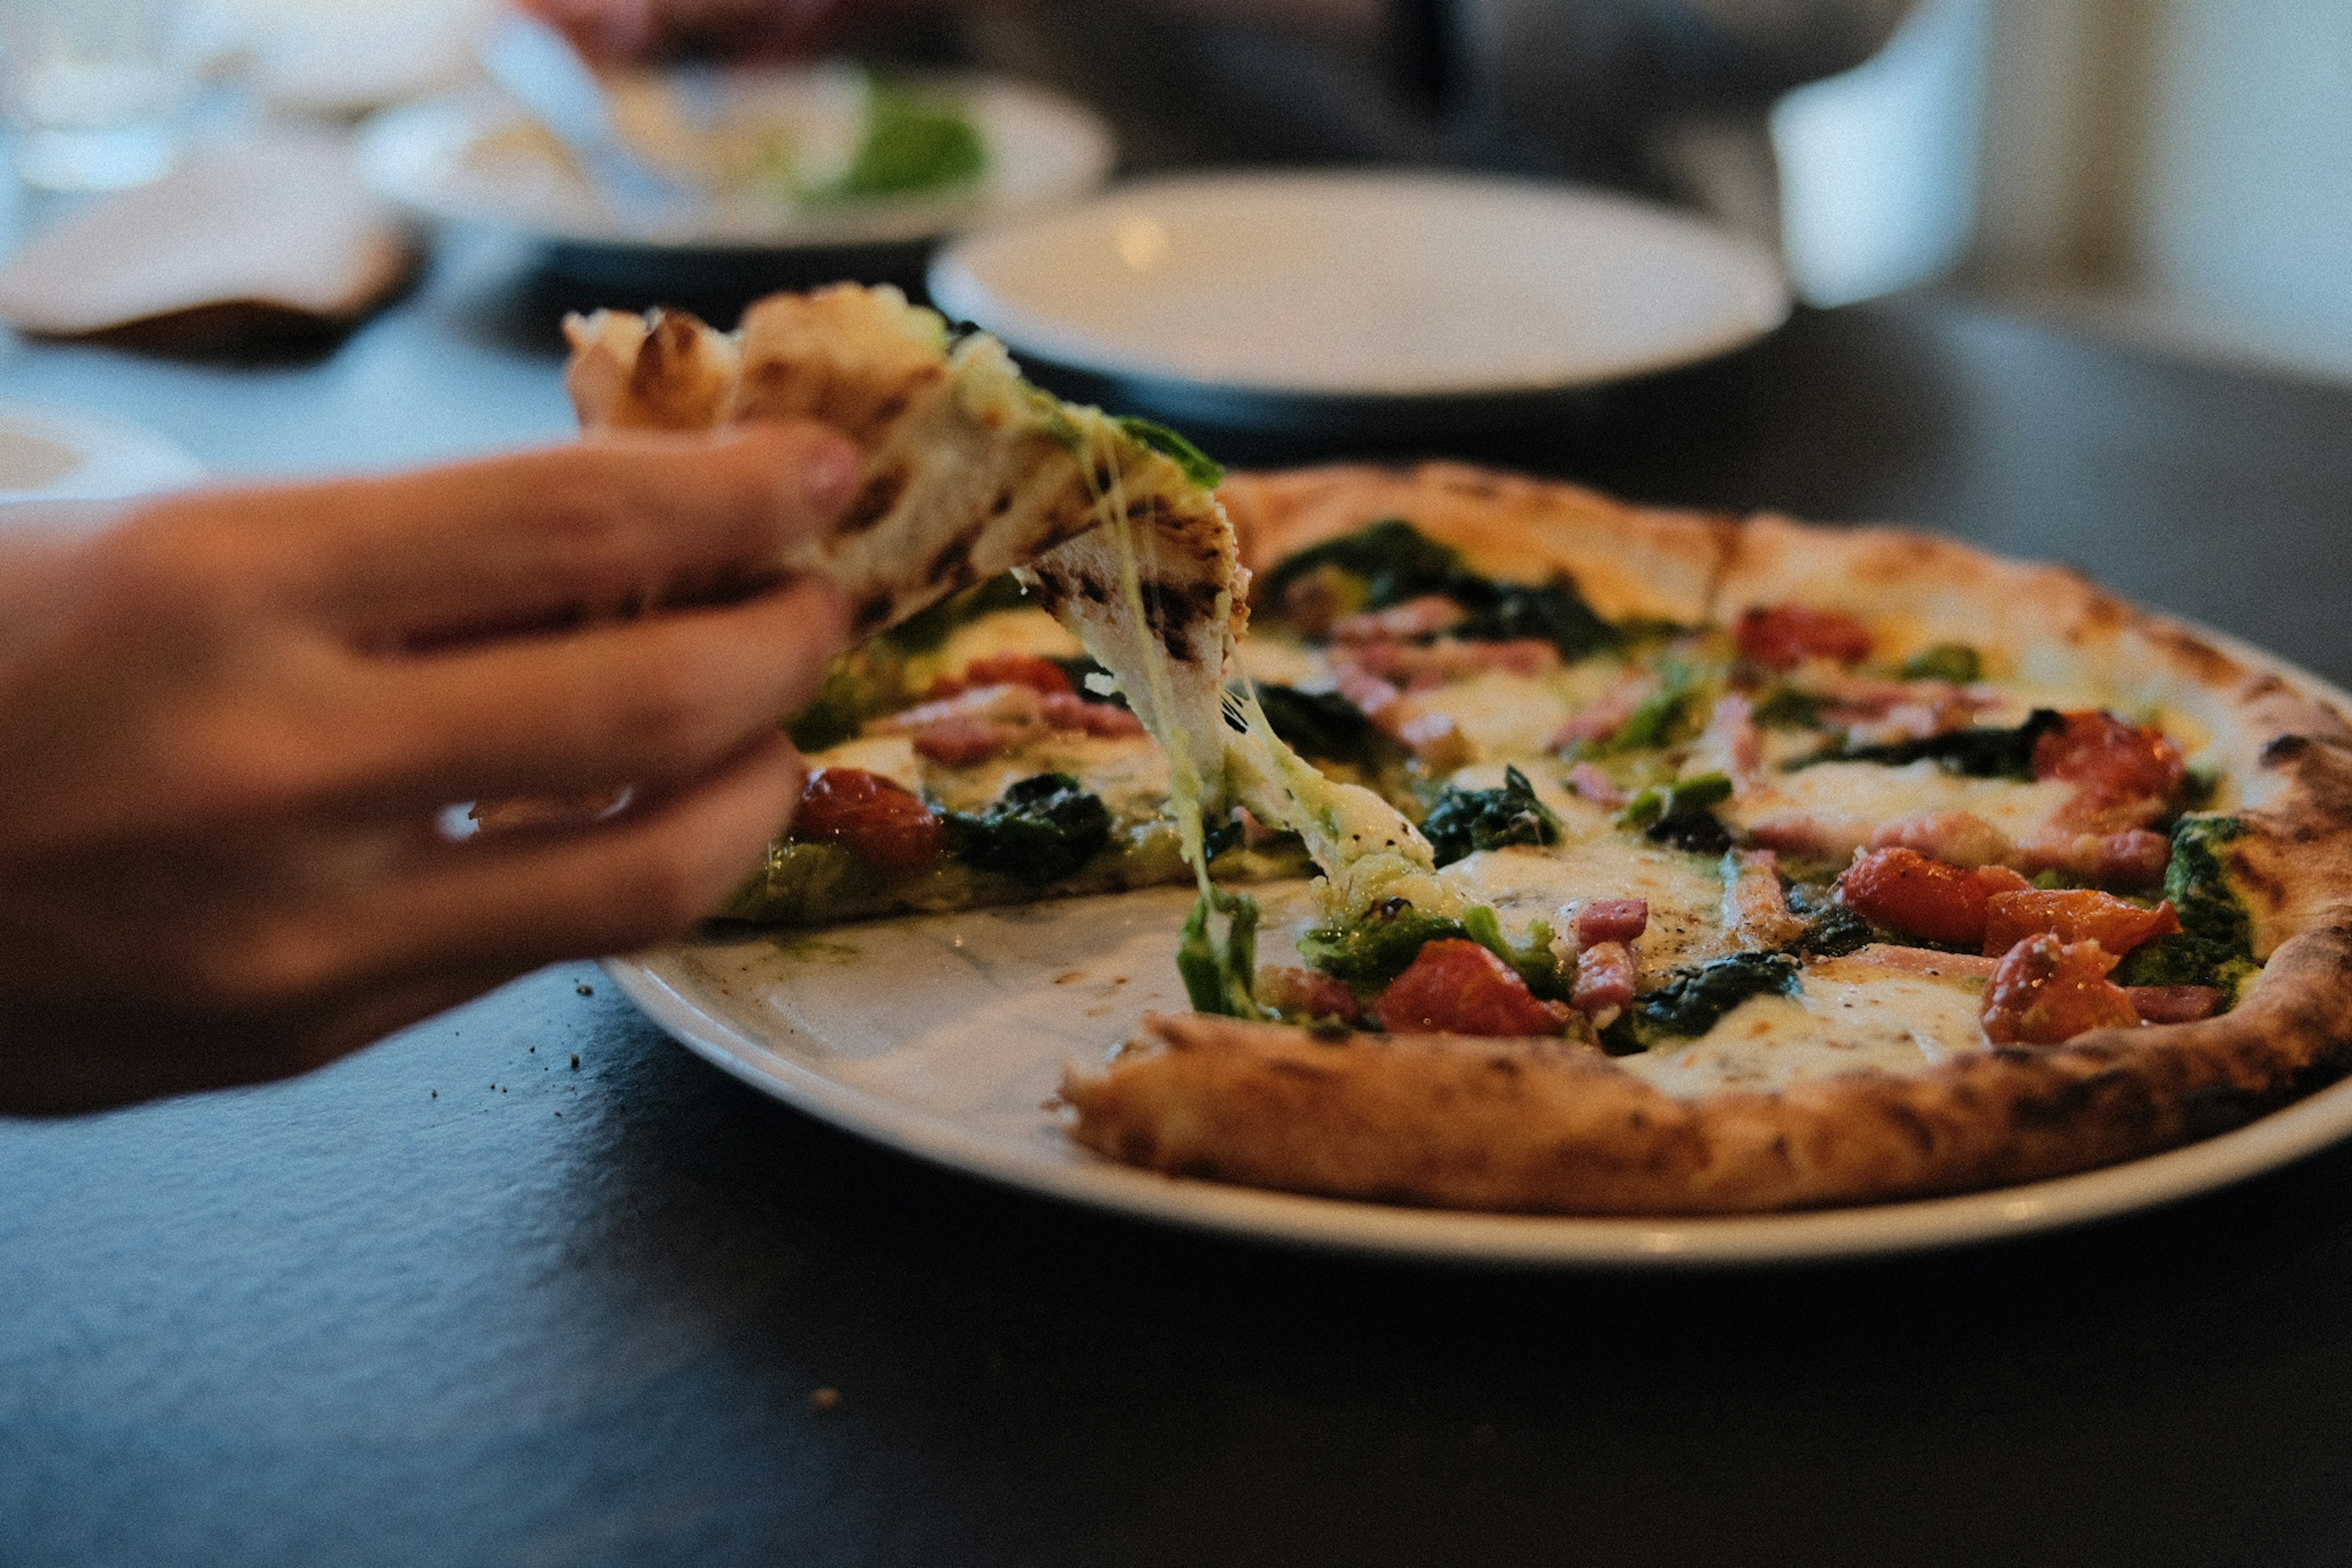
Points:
[(1539, 1126)]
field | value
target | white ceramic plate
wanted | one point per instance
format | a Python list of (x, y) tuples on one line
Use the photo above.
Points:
[(472, 157), (62, 454), (1363, 286), (944, 1037)]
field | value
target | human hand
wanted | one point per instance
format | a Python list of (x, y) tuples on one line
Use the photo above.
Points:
[(231, 726)]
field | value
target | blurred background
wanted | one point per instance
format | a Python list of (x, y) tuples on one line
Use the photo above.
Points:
[(2176, 171)]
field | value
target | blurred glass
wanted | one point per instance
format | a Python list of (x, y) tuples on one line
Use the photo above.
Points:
[(95, 89)]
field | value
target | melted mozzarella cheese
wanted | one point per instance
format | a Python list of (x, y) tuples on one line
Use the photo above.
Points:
[(1684, 892), (1857, 798), (1502, 714), (1848, 1018), (892, 756)]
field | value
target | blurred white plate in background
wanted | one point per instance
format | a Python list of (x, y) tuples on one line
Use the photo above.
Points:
[(63, 453), (473, 157), (1362, 286)]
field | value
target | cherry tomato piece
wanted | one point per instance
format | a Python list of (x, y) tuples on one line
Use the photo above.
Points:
[(1919, 896), (1457, 987), (2111, 761), (2046, 992), (877, 819), (1782, 636), (2072, 915)]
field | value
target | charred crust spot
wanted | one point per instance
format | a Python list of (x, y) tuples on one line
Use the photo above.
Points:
[(2253, 879), (1145, 509), (880, 494), (1917, 1128), (1104, 477), (871, 613), (1503, 1067), (1092, 589), (1172, 610), (2282, 749), (1291, 1067), (884, 413), (953, 560), (1046, 585), (1002, 504)]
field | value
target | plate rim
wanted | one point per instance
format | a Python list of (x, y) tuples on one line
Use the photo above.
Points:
[(387, 139), (1471, 1239), (1761, 285), (120, 458)]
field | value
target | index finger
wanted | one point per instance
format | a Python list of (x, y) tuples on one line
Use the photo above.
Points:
[(514, 540)]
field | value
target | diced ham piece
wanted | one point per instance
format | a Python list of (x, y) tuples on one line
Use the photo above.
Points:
[(1105, 719), (2133, 857), (1605, 982), (1606, 715), (1303, 994), (986, 721), (2046, 992), (1457, 987), (1961, 837), (1398, 622), (2174, 1004), (1611, 919), (1417, 668), (2072, 915), (1756, 906), (1782, 636), (1731, 744), (1588, 781), (961, 743), (1921, 896), (1434, 738)]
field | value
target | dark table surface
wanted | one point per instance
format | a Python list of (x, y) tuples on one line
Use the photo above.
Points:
[(455, 1301)]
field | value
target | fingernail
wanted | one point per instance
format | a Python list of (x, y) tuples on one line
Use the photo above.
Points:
[(828, 474)]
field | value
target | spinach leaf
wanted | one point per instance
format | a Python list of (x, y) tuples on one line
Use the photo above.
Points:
[(1395, 561), (1678, 813), (1377, 948), (1199, 467), (1982, 753), (1464, 820), (1954, 661), (2215, 943), (1696, 1000), (1831, 929), (1039, 830), (1221, 977), (1505, 612), (1535, 961), (1326, 726)]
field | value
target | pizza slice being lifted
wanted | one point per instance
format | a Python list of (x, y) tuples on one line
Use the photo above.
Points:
[(1671, 863)]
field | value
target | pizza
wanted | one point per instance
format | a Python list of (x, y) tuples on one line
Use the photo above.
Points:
[(1662, 862)]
